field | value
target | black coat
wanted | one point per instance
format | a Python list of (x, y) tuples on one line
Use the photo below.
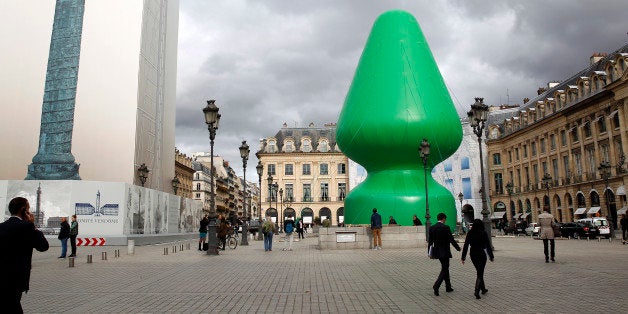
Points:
[(17, 240), (479, 242), (441, 237), (64, 233)]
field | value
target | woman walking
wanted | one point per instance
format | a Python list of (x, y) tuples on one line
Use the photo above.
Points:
[(480, 248)]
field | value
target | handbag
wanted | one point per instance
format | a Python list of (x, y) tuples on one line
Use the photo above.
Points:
[(430, 251), (556, 229)]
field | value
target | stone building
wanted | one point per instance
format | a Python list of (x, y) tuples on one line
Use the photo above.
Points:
[(309, 174), (554, 152), (184, 172)]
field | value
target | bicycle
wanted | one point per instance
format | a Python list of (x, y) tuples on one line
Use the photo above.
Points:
[(232, 241)]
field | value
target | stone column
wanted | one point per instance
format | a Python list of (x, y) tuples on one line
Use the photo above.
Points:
[(54, 160)]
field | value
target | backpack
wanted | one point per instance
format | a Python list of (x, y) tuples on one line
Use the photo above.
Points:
[(289, 226)]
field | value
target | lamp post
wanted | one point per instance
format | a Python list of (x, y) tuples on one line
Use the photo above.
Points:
[(260, 172), (142, 173), (424, 149), (460, 198), (547, 182), (509, 187), (244, 153), (477, 118), (212, 118), (281, 208), (605, 171), (272, 193)]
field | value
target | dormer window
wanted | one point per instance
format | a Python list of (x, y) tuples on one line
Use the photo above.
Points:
[(288, 146), (323, 146), (306, 145), (271, 146)]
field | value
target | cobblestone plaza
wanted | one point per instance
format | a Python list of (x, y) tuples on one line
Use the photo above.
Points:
[(588, 276)]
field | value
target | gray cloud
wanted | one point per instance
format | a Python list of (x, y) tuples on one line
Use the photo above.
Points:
[(272, 62)]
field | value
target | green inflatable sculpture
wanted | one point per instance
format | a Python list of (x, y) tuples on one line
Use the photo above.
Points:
[(398, 98)]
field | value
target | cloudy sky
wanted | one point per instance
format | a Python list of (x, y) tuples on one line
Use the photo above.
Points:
[(270, 62)]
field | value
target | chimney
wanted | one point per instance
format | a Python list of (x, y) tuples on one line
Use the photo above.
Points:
[(525, 100), (597, 56), (552, 84)]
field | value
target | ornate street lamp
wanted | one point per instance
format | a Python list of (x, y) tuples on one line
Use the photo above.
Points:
[(244, 153), (142, 173), (547, 183), (477, 118), (271, 187), (509, 188), (424, 149), (175, 185), (605, 172), (281, 208), (212, 119), (260, 172)]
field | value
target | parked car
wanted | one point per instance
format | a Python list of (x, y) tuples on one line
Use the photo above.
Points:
[(601, 225), (533, 229), (584, 229)]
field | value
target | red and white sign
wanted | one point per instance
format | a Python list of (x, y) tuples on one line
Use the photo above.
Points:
[(90, 241)]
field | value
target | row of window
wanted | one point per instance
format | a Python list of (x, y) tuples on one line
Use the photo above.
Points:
[(306, 169), (306, 146), (466, 187), (288, 193), (464, 164)]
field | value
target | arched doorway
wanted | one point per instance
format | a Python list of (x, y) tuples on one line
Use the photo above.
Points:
[(611, 207), (569, 211), (272, 213), (324, 213), (558, 213), (289, 212), (340, 214), (308, 216), (468, 214)]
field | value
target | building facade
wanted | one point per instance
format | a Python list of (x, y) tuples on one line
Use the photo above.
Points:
[(305, 174), (184, 172), (564, 149)]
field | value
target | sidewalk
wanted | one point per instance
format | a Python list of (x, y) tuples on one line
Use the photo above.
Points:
[(587, 277)]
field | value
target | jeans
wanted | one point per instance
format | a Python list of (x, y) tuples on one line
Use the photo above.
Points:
[(551, 241), (268, 241), (64, 246), (287, 242), (73, 244)]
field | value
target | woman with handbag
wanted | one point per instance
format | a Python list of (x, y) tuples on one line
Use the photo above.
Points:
[(478, 239)]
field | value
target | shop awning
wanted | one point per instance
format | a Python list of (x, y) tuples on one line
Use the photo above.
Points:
[(580, 211), (593, 210), (524, 216), (498, 215), (622, 211)]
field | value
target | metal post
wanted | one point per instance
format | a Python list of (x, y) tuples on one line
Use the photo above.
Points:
[(260, 171), (424, 149), (244, 153), (477, 118), (211, 119)]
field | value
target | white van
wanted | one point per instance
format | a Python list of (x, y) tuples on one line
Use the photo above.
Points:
[(604, 229)]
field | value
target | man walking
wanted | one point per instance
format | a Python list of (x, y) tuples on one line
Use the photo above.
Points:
[(64, 235), (440, 238), (18, 238), (268, 229), (288, 228), (546, 221), (376, 227), (624, 227)]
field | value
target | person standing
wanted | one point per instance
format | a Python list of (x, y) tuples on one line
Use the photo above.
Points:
[(202, 232), (624, 227), (300, 229), (546, 222), (439, 241), (18, 238), (477, 238), (73, 234), (288, 228), (376, 227), (64, 235), (416, 221), (223, 229), (268, 228)]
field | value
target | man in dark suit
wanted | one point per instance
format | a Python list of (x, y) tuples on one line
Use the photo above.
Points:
[(440, 238), (18, 237)]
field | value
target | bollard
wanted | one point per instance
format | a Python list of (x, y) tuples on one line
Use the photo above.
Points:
[(188, 245), (181, 248), (174, 249), (103, 256), (131, 247), (116, 253), (165, 251), (89, 259), (71, 262)]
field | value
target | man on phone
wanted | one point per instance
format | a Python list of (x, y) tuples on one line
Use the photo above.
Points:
[(18, 237)]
